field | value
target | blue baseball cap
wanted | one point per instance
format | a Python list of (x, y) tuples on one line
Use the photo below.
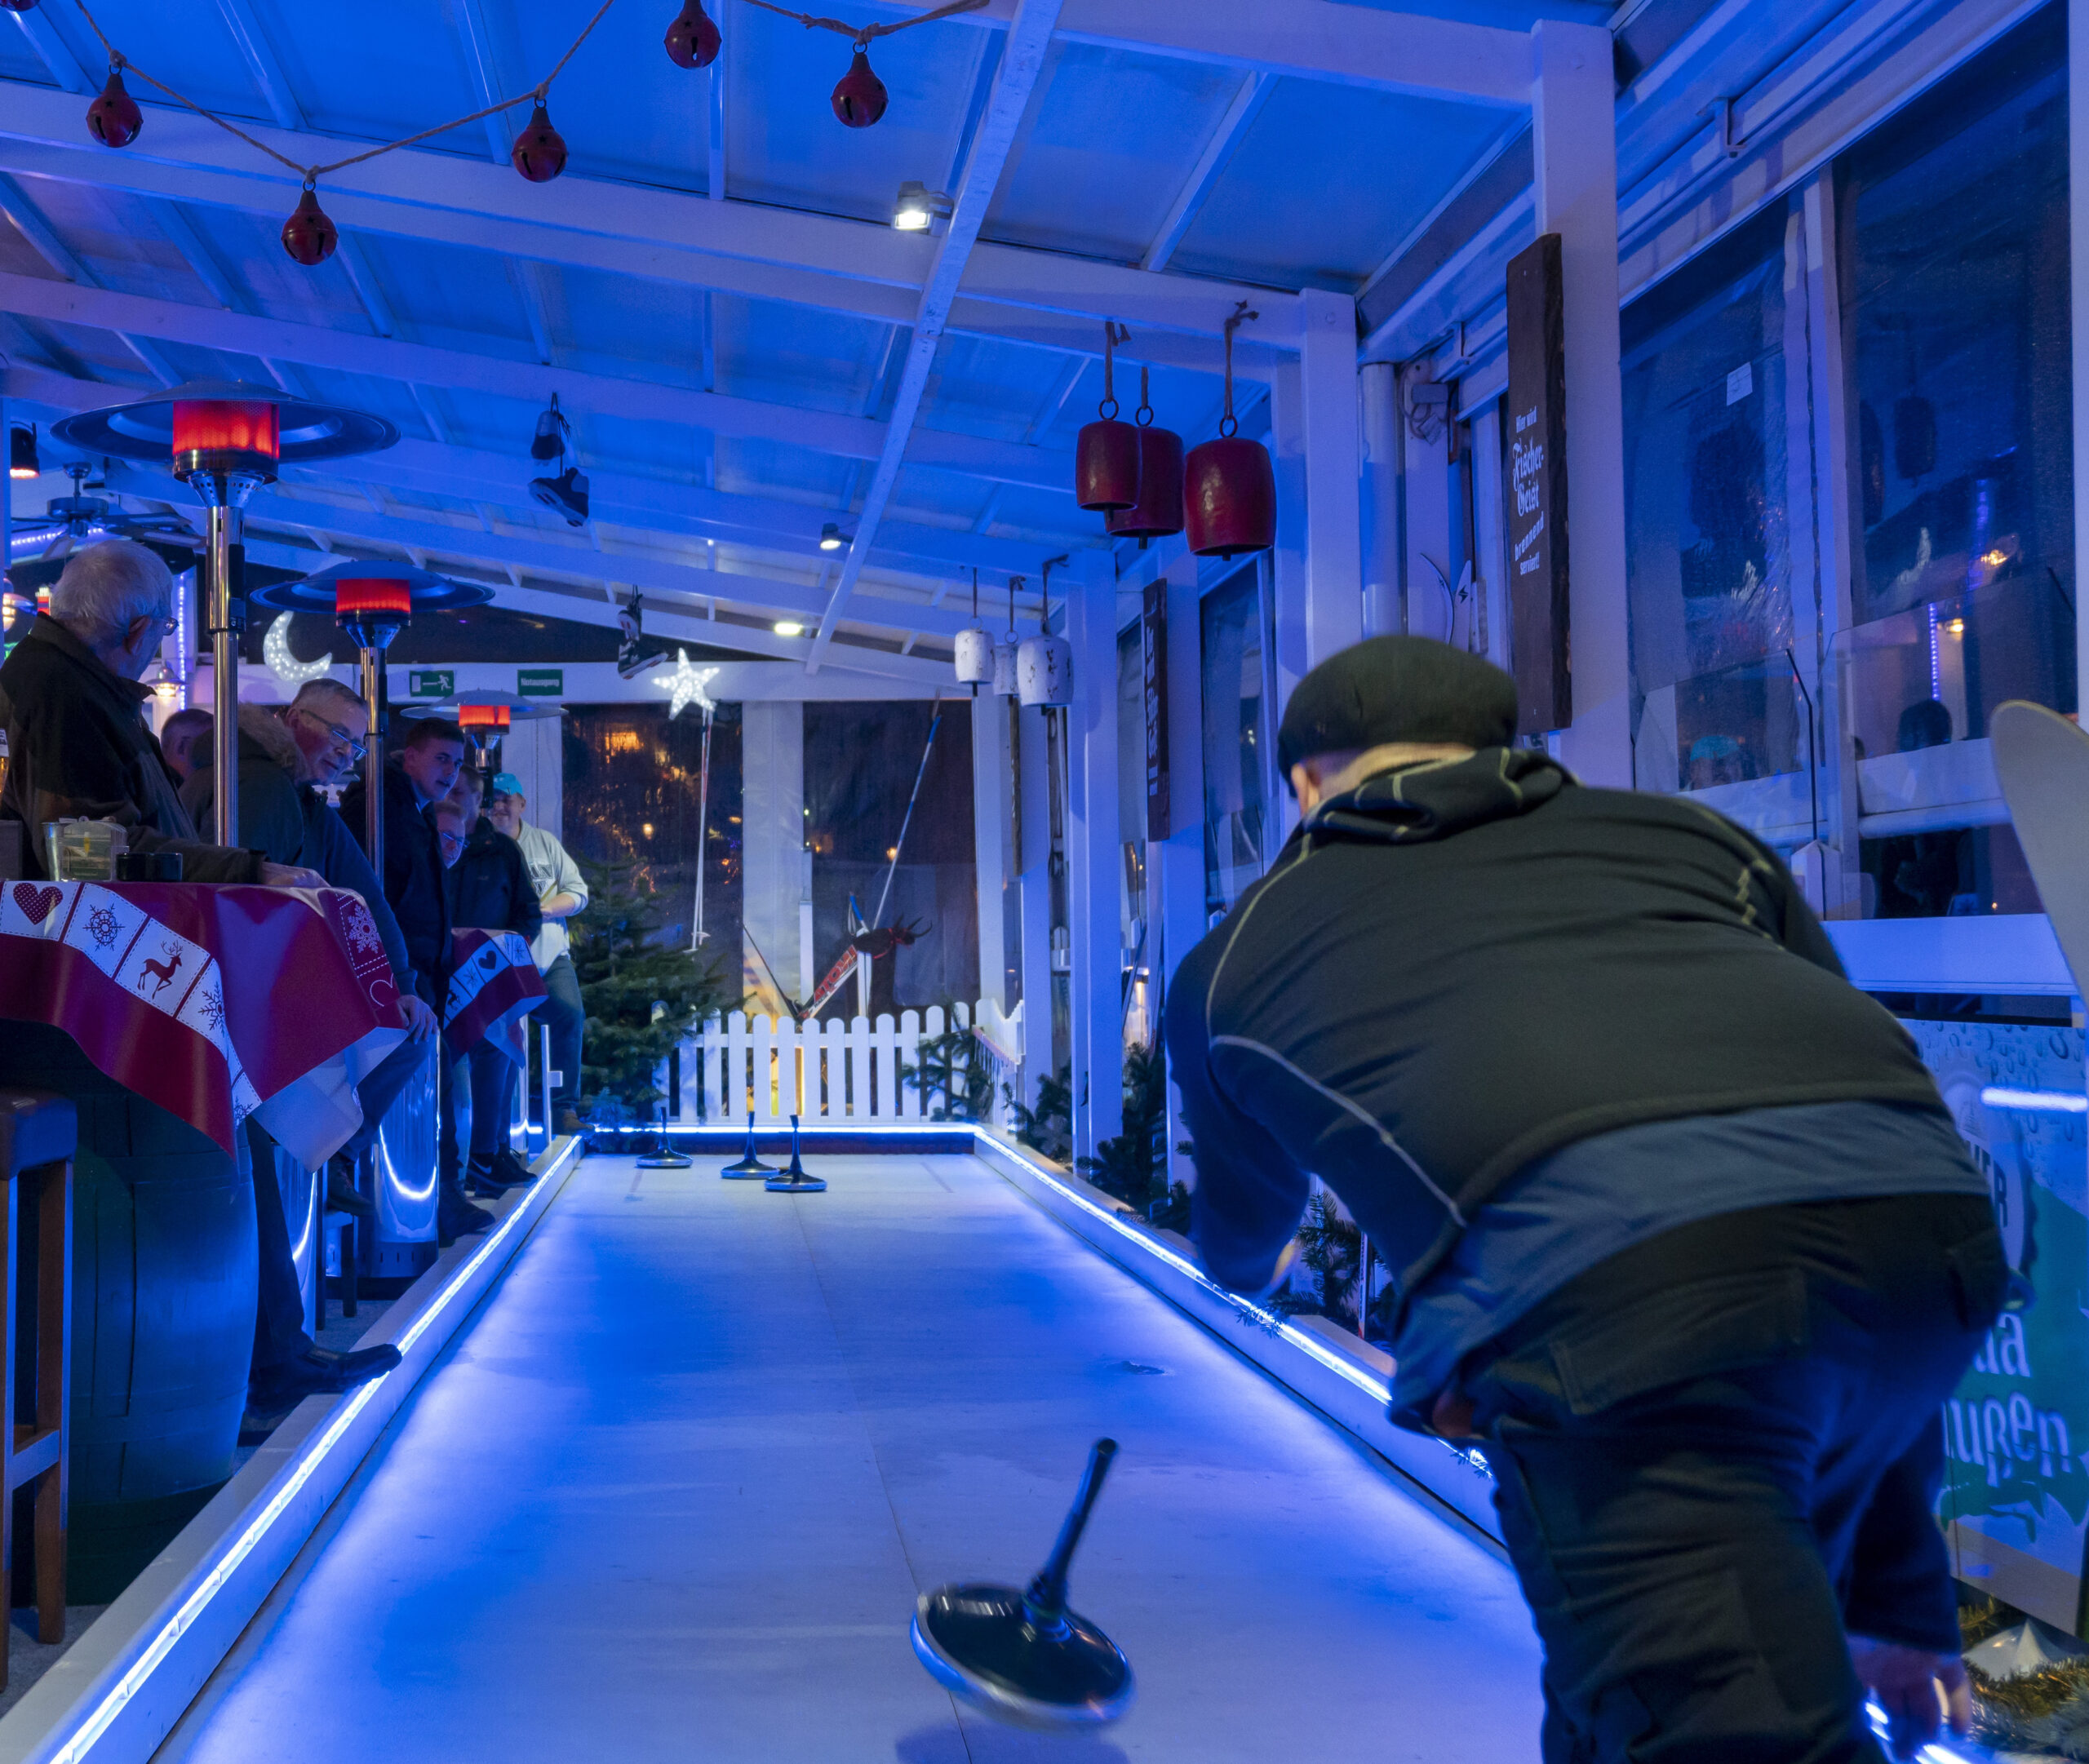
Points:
[(506, 784)]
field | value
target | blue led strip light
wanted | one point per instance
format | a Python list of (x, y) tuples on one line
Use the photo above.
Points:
[(2036, 1101), (127, 1688)]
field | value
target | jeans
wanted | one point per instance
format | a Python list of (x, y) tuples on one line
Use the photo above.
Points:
[(1720, 1450), (492, 1100), (564, 1011), (279, 1336)]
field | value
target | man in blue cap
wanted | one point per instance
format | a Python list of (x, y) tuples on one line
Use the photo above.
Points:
[(561, 892)]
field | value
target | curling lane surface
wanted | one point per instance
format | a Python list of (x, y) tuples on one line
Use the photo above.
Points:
[(672, 1495)]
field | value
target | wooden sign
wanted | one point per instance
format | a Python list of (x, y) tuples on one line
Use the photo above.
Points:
[(1153, 631), (1536, 431)]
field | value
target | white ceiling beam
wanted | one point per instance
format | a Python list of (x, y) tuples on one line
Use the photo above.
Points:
[(390, 358), (1343, 45), (718, 95), (1048, 299), (1239, 116), (29, 222), (262, 65), (65, 67), (1022, 58)]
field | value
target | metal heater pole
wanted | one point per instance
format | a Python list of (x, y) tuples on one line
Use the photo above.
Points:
[(373, 761), (223, 618)]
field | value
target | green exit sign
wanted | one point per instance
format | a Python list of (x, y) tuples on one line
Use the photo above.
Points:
[(431, 682), (540, 682)]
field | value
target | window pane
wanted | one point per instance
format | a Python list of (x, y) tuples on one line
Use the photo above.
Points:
[(1956, 307), (1236, 738)]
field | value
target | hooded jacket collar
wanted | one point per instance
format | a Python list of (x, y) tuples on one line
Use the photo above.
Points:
[(1433, 799)]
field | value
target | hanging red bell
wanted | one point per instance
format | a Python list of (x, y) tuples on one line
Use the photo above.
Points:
[(18, 6), (539, 150), (308, 235), (114, 118), (1158, 512), (860, 96), (1229, 494), (693, 40), (1107, 455)]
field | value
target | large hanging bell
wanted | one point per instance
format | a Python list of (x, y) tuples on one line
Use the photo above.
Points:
[(1005, 673), (1229, 491), (975, 655), (1157, 512), (1106, 465), (1044, 670)]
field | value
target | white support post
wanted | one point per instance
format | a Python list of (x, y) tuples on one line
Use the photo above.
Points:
[(773, 819), (2078, 208), (1178, 893), (1291, 651), (1424, 521), (1573, 98), (1095, 859), (992, 808), (1334, 464), (1385, 611), (1034, 805)]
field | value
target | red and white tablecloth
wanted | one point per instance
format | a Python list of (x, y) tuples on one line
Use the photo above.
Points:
[(214, 1002), (493, 984)]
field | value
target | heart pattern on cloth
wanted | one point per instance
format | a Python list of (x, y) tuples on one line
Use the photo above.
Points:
[(36, 902), (488, 959)]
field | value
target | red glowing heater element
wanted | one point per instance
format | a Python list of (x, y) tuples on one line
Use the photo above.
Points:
[(219, 435), (495, 716), (362, 596)]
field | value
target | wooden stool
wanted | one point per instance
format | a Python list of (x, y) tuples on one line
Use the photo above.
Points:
[(38, 1132)]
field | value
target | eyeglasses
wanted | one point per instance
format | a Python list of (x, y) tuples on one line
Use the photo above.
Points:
[(451, 841), (356, 749)]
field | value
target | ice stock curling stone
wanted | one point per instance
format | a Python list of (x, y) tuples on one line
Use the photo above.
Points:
[(794, 1181), (750, 1167), (1024, 1658), (665, 1157)]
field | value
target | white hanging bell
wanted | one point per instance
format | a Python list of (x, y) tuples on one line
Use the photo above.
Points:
[(1004, 668), (1044, 670), (975, 655)]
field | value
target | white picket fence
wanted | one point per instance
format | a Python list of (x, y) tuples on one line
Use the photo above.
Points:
[(834, 1072)]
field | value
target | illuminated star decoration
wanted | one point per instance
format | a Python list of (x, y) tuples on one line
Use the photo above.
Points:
[(687, 685), (276, 652)]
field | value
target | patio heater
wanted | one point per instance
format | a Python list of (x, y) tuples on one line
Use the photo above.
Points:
[(224, 439), (486, 726), (372, 602)]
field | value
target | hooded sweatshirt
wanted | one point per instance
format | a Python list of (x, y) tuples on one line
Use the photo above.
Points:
[(1460, 967)]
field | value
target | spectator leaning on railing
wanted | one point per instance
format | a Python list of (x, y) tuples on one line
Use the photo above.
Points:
[(76, 741), (562, 893)]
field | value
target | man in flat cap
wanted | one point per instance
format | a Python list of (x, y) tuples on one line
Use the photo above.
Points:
[(1683, 1237)]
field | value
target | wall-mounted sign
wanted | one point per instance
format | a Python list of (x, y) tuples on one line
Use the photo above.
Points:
[(1153, 631), (1536, 425), (540, 682), (431, 682)]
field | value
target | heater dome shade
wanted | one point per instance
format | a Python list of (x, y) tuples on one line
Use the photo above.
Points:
[(144, 430), (1106, 465), (1044, 670), (1158, 512), (1229, 491), (1004, 676), (859, 95), (692, 39), (426, 591), (310, 235), (975, 655)]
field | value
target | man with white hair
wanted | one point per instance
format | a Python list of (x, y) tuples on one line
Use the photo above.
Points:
[(77, 744)]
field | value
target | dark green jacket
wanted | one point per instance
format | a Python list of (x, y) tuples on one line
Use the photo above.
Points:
[(79, 745)]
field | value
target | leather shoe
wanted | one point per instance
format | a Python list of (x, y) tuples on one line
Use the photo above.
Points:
[(341, 1195), (272, 1395), (456, 1216)]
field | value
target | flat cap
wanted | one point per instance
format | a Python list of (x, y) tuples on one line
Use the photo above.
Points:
[(1397, 689)]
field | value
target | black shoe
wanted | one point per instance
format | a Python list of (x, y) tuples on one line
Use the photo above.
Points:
[(341, 1195), (568, 1124), (318, 1373), (456, 1216), (510, 1170)]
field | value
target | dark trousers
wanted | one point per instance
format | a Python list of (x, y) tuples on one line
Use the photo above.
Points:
[(279, 1336), (563, 1010), (492, 1100), (1718, 1451)]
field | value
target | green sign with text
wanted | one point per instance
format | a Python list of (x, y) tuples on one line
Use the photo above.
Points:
[(430, 683), (540, 682)]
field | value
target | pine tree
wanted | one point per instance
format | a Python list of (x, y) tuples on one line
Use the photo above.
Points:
[(643, 997)]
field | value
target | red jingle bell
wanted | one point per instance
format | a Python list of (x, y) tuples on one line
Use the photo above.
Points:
[(860, 96), (114, 118), (308, 235), (18, 6), (1158, 512), (539, 150), (1230, 491), (693, 40)]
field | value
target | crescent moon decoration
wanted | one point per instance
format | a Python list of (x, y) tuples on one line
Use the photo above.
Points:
[(276, 652)]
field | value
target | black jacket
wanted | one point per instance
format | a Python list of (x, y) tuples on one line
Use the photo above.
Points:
[(290, 823), (412, 876), (489, 884), (1460, 967), (76, 745)]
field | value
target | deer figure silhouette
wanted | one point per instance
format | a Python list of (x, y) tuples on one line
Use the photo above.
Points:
[(165, 970)]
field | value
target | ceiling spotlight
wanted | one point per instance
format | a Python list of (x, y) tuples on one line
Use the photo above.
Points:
[(552, 429), (22, 462), (832, 538), (788, 627), (918, 209)]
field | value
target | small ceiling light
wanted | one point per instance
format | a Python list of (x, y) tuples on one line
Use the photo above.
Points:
[(22, 462), (163, 684), (788, 627), (831, 539), (920, 208)]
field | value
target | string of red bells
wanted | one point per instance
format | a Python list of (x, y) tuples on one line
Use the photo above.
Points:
[(859, 99)]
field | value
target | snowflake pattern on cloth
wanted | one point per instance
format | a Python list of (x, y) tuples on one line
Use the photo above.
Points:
[(103, 927)]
